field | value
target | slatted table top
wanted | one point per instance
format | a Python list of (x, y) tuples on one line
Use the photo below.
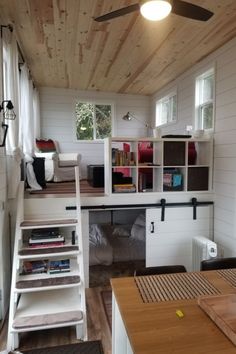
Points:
[(179, 286), (148, 308)]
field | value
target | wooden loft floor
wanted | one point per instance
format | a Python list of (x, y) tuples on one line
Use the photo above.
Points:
[(58, 188)]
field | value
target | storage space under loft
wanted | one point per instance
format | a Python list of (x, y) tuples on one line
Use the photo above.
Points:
[(117, 244)]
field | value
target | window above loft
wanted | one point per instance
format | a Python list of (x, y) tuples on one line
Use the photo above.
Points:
[(204, 100), (93, 121), (166, 110)]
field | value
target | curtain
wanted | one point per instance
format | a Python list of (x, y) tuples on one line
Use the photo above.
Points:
[(36, 113), (29, 124), (26, 112), (11, 87), (12, 92)]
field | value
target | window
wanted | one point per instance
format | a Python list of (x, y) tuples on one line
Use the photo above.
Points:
[(204, 100), (166, 110), (93, 121)]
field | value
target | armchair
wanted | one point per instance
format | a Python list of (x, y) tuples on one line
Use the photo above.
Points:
[(59, 167)]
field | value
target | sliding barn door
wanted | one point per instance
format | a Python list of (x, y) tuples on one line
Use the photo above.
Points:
[(170, 241)]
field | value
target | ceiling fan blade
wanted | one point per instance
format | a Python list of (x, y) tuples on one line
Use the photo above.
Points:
[(118, 13), (185, 9)]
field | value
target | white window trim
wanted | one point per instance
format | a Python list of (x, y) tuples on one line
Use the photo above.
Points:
[(98, 102), (162, 99), (201, 75)]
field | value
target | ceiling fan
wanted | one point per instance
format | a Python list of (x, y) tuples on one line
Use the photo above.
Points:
[(156, 10)]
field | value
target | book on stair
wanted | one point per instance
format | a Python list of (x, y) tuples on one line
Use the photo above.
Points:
[(48, 237)]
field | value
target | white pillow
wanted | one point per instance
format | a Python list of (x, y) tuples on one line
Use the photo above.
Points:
[(122, 231), (138, 231), (140, 220)]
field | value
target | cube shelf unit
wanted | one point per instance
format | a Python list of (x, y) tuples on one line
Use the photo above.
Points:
[(141, 165)]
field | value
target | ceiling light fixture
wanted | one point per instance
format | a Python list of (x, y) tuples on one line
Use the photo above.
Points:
[(155, 10)]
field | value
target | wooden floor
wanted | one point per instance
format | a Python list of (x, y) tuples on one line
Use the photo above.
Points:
[(59, 188), (98, 328)]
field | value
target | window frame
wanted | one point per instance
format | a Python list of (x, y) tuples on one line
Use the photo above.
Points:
[(199, 105), (94, 102), (162, 100)]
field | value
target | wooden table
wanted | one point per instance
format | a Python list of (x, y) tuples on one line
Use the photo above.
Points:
[(154, 327)]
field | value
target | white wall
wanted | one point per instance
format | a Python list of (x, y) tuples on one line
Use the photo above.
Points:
[(224, 60), (5, 277), (58, 116)]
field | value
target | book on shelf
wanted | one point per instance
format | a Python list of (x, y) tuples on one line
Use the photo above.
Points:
[(46, 240), (46, 244), (52, 232), (58, 266), (45, 266), (123, 158), (34, 267), (124, 188)]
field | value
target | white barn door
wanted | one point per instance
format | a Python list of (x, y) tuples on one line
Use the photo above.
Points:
[(170, 241)]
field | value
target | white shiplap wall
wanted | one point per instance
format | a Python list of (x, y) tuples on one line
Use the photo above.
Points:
[(5, 277), (224, 61), (58, 115)]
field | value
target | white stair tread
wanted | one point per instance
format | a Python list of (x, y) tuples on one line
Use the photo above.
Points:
[(53, 306), (35, 224), (51, 320)]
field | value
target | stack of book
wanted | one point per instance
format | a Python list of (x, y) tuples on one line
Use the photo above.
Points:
[(59, 266), (124, 188), (45, 266), (122, 158), (46, 238), (34, 267)]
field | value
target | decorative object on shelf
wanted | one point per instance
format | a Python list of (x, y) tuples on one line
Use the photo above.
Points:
[(8, 114), (156, 10), (198, 133), (157, 132)]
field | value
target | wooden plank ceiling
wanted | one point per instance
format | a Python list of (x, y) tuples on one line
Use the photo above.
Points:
[(64, 47)]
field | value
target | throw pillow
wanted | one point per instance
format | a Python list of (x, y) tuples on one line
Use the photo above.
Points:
[(138, 230), (45, 145)]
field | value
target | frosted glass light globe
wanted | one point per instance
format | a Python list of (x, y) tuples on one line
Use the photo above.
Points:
[(155, 10)]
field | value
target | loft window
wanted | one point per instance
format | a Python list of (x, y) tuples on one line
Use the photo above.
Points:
[(93, 120), (166, 110), (204, 100)]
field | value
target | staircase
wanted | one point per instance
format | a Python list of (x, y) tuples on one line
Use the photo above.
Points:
[(48, 289)]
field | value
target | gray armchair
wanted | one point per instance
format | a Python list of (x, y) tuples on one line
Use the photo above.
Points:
[(59, 167)]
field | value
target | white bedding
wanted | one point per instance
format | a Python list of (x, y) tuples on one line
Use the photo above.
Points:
[(116, 243)]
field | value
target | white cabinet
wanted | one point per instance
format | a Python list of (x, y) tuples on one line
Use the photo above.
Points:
[(170, 241), (48, 289), (157, 165)]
